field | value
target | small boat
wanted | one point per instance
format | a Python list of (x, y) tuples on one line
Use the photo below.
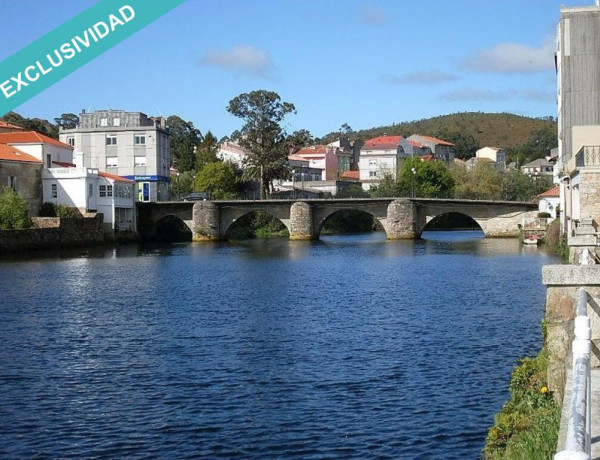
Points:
[(532, 239)]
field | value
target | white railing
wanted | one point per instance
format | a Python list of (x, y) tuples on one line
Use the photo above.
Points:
[(578, 445)]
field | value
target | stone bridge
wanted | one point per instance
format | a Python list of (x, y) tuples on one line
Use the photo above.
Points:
[(401, 218)]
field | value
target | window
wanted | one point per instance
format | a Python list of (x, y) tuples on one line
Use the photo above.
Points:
[(372, 162), (12, 182), (111, 139), (48, 160), (116, 121), (102, 193), (103, 121), (109, 190), (139, 139), (54, 191), (112, 162), (71, 141), (90, 190), (372, 173), (140, 161)]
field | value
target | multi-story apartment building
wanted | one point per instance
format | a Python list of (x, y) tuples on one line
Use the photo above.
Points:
[(578, 73), (127, 144), (379, 156)]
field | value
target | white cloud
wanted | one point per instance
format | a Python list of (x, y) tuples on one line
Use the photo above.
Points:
[(373, 15), (513, 58), (426, 78), (241, 59), (469, 94)]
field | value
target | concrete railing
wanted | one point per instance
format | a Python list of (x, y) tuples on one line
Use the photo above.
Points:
[(578, 444)]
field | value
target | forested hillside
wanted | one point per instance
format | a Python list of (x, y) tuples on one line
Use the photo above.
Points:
[(524, 136)]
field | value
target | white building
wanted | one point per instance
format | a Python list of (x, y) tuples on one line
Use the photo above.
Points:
[(379, 156), (91, 190), (232, 152), (550, 201), (127, 144), (39, 146), (497, 155)]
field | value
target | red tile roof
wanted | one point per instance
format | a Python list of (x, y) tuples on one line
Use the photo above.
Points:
[(10, 153), (114, 177), (552, 193), (30, 137), (382, 143), (5, 124), (435, 140), (351, 175), (315, 149), (415, 144)]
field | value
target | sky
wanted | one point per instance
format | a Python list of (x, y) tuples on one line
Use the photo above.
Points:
[(361, 62)]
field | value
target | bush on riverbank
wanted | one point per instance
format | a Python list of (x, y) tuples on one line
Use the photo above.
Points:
[(13, 210), (527, 425)]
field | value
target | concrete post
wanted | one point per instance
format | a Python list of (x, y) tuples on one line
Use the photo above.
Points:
[(205, 219), (301, 222), (402, 220)]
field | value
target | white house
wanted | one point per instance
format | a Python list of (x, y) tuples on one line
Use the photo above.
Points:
[(379, 156), (549, 201), (232, 152), (497, 155), (91, 190), (39, 146), (539, 167)]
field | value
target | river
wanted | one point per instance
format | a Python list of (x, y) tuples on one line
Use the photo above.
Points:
[(349, 347)]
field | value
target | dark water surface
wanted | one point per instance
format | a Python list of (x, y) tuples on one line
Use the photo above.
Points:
[(350, 347)]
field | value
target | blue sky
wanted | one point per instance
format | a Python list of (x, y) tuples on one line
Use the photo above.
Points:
[(365, 63)]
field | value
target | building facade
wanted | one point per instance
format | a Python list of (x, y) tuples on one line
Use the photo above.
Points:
[(22, 172), (578, 95), (126, 144), (441, 150), (378, 157)]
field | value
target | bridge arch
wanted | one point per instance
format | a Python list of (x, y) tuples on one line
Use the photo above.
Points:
[(172, 228), (452, 221), (246, 219), (348, 214)]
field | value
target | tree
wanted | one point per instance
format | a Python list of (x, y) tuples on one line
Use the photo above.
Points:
[(429, 178), (13, 210), (484, 182), (218, 178), (262, 135), (67, 121), (207, 151), (184, 137), (32, 124), (517, 186), (299, 139)]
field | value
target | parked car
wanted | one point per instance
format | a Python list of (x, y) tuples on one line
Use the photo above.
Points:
[(196, 196)]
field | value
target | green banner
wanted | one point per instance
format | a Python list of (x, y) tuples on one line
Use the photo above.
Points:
[(78, 41)]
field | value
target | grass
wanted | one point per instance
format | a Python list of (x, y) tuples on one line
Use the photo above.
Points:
[(527, 426)]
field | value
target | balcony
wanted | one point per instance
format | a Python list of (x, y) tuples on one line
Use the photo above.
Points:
[(589, 155)]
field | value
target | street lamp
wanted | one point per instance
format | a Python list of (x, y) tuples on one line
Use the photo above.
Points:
[(414, 173)]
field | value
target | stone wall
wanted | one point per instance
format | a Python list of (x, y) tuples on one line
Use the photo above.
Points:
[(46, 234), (29, 182), (563, 282)]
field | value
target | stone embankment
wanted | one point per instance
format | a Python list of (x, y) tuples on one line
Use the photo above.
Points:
[(54, 233)]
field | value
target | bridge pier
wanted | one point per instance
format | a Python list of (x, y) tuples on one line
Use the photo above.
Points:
[(301, 222), (402, 221), (205, 222)]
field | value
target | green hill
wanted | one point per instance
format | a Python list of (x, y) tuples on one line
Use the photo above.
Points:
[(526, 136)]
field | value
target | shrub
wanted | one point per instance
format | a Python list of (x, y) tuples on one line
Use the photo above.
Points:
[(47, 210), (544, 215), (65, 212), (13, 210)]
